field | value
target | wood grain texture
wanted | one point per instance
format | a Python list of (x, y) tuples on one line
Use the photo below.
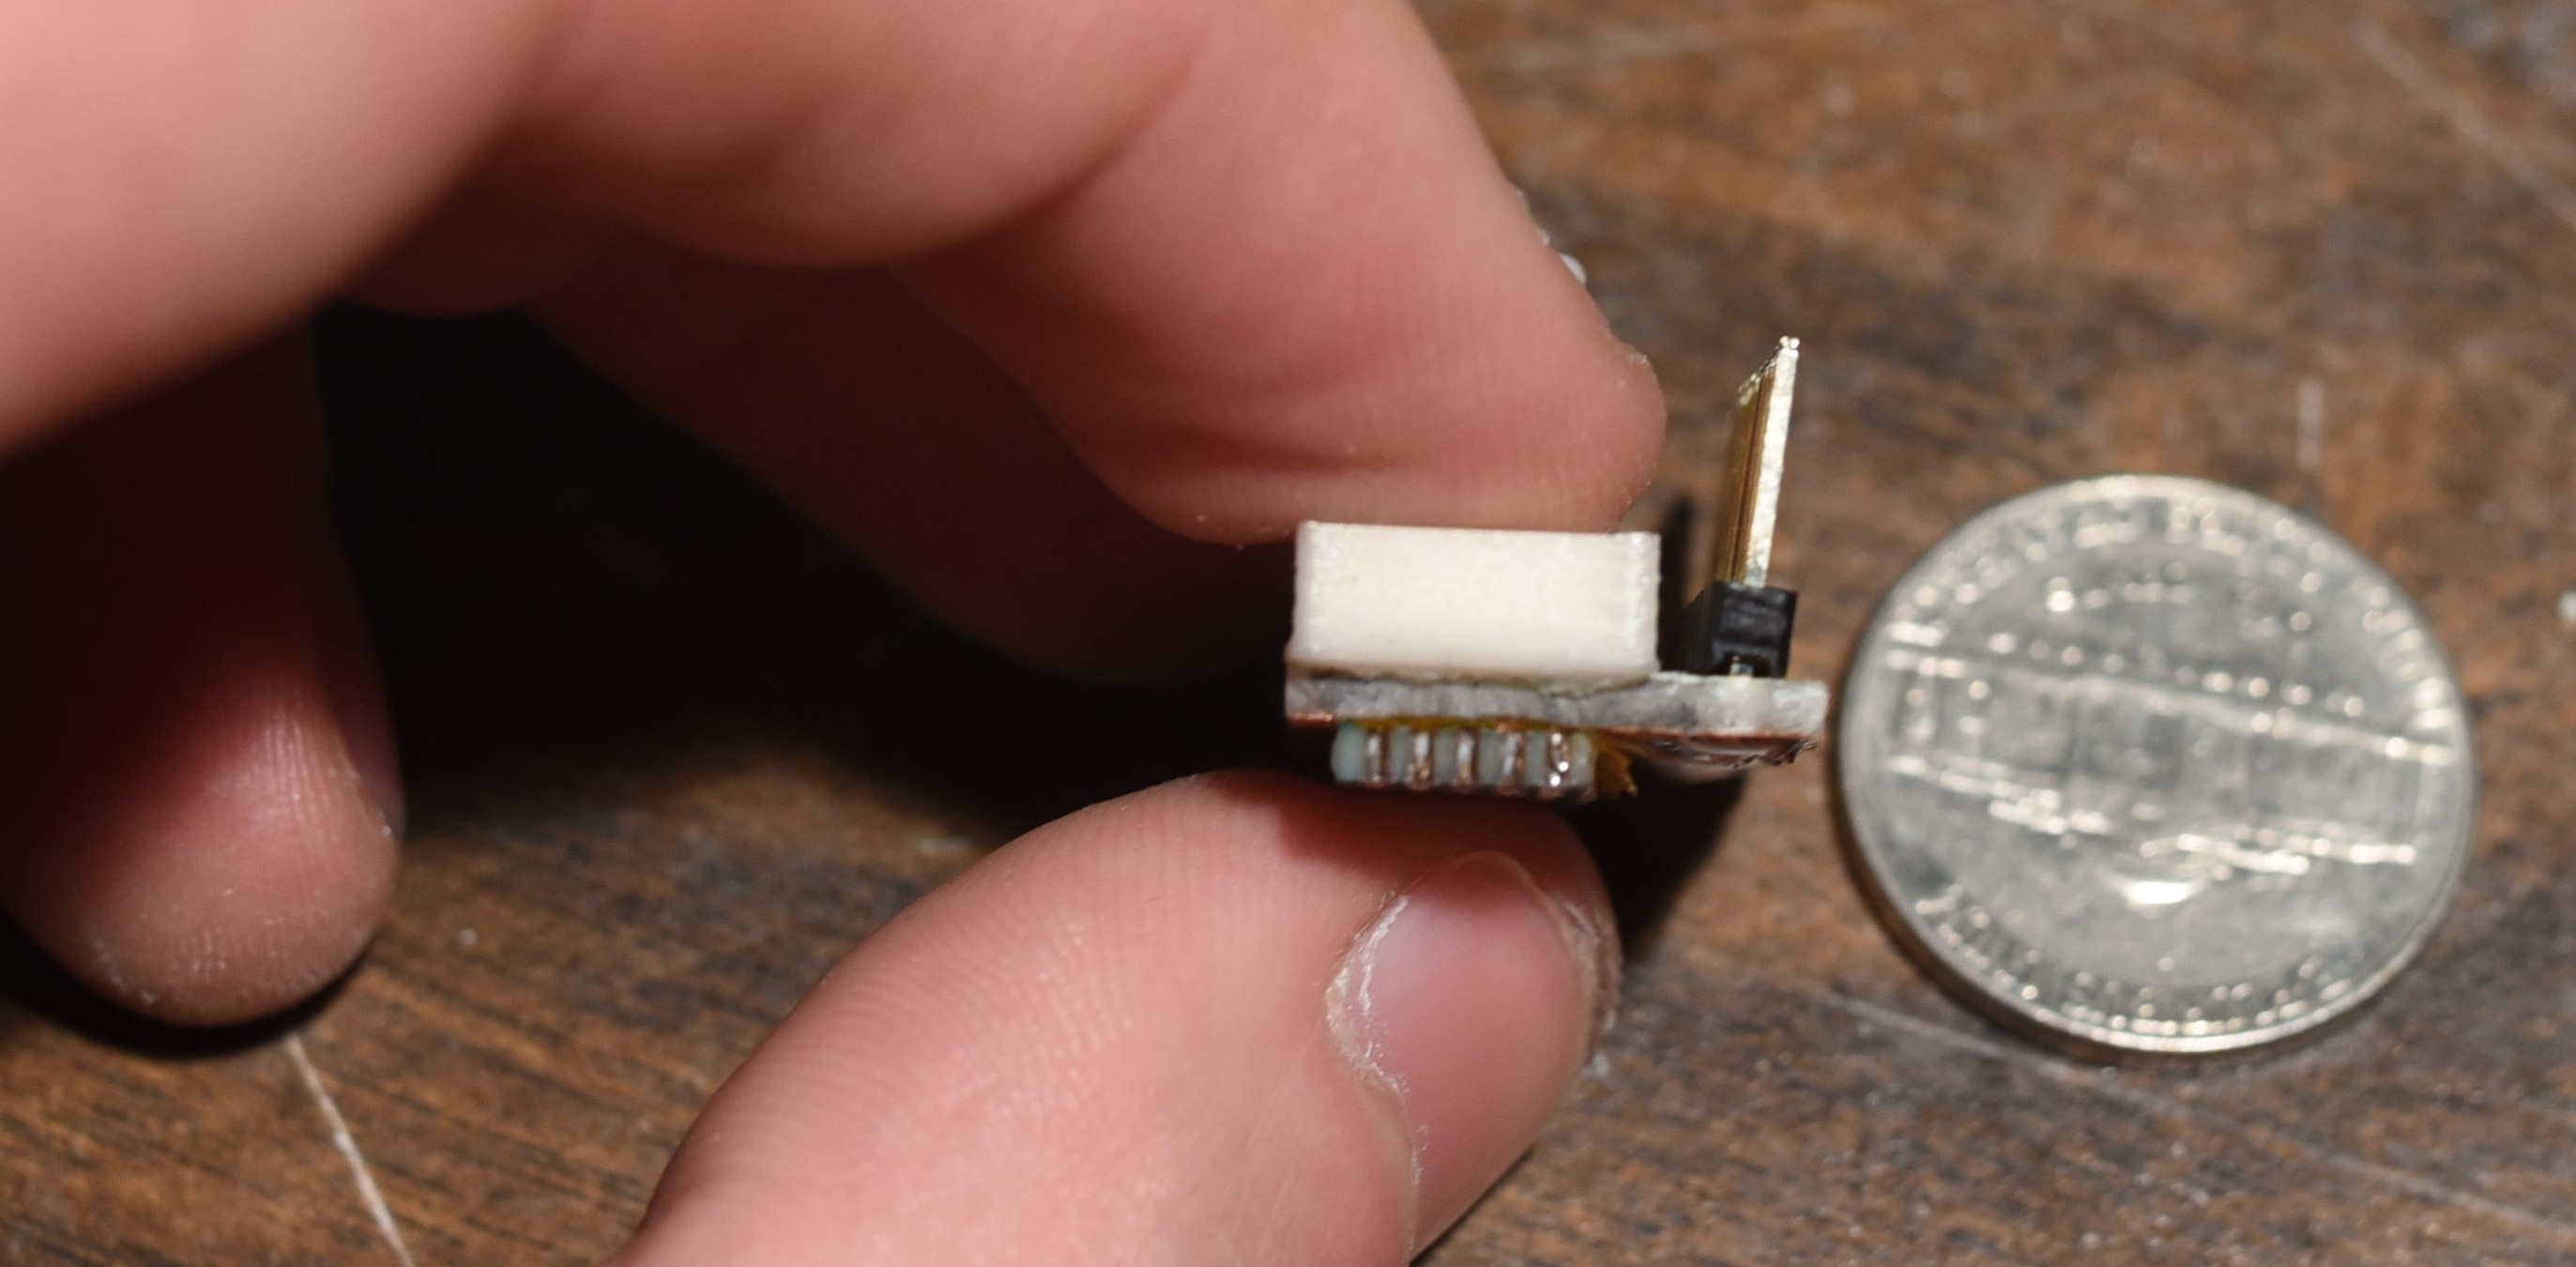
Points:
[(671, 754)]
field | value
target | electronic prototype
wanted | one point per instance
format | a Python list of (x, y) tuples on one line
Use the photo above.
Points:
[(1526, 664)]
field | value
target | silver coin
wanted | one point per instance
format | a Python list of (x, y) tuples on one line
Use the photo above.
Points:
[(2154, 765)]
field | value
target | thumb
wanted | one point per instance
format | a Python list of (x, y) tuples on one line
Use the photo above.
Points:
[(1234, 1019)]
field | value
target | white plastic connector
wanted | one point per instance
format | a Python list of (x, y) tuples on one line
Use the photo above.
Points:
[(1445, 604)]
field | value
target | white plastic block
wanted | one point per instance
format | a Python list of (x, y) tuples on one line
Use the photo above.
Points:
[(1572, 608)]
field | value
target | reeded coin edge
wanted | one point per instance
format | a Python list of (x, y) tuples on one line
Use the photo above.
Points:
[(2055, 1029)]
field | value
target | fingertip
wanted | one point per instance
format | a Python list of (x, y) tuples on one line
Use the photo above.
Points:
[(1287, 281), (198, 805), (247, 864), (1234, 1018), (245, 877), (1471, 383), (1356, 319), (1469, 1004)]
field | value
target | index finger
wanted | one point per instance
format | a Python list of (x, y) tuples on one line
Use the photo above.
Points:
[(1253, 258), (1251, 255), (1306, 291)]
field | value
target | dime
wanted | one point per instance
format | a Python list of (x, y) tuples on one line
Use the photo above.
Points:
[(2154, 765)]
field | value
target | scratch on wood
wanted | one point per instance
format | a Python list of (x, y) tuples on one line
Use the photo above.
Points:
[(2473, 127), (2105, 1082), (369, 1195)]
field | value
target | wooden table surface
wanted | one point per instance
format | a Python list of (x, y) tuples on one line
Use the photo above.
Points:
[(671, 754)]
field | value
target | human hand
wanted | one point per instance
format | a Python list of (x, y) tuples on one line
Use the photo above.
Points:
[(1038, 305)]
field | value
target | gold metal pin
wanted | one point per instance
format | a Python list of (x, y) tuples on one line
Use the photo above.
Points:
[(1736, 545)]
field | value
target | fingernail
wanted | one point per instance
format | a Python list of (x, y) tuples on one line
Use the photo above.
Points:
[(1472, 1002), (1582, 276)]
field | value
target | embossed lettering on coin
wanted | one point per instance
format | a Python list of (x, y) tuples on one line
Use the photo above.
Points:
[(2158, 765)]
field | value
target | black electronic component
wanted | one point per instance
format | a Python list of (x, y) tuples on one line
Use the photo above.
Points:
[(1736, 629)]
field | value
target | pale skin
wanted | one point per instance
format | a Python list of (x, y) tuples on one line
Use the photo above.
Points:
[(1041, 306)]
